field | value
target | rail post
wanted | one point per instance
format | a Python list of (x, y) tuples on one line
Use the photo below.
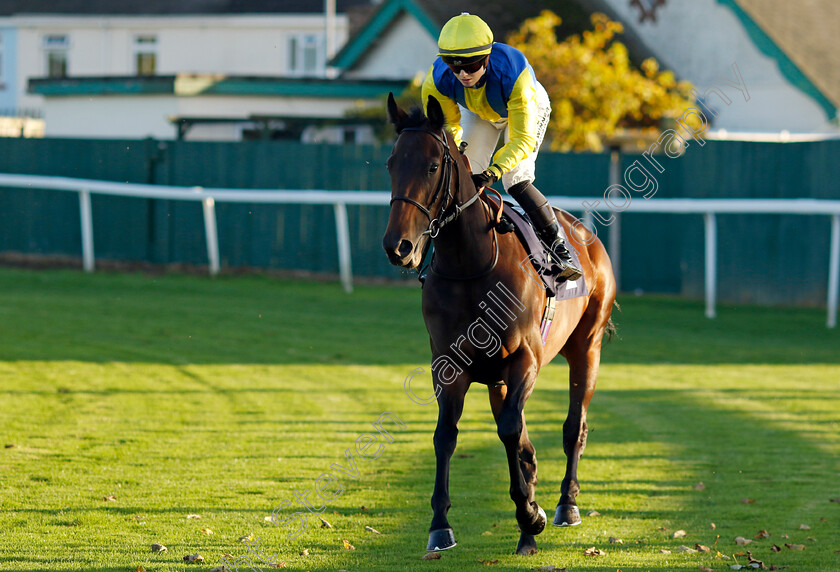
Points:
[(87, 230), (711, 263), (211, 233), (342, 232), (833, 271)]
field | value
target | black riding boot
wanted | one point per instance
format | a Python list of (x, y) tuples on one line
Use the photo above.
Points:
[(547, 227)]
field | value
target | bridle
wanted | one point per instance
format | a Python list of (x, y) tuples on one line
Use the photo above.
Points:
[(437, 223), (445, 182)]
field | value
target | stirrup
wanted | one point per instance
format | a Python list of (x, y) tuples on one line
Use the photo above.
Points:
[(560, 254)]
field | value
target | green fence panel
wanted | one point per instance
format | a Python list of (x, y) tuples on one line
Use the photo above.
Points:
[(765, 259)]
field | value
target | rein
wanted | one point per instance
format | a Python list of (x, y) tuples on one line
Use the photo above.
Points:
[(437, 223)]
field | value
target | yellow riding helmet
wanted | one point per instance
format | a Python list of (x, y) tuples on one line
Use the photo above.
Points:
[(465, 36)]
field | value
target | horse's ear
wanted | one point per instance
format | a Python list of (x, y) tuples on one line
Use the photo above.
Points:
[(395, 114), (435, 113)]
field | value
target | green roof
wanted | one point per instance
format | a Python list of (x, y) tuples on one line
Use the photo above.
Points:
[(367, 37), (186, 86)]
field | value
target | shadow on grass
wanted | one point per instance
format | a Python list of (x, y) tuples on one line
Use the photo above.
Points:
[(664, 442), (177, 320)]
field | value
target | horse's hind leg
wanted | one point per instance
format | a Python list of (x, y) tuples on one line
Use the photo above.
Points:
[(583, 373), (450, 408), (527, 464)]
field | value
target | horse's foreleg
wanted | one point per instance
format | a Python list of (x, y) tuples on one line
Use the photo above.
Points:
[(522, 461), (583, 373), (450, 407)]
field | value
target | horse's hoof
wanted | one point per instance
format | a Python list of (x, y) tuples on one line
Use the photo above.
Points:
[(567, 515), (441, 539), (527, 545), (537, 526)]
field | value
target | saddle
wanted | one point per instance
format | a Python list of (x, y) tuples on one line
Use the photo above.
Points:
[(539, 264)]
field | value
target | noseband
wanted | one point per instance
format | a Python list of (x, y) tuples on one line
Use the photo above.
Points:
[(445, 182)]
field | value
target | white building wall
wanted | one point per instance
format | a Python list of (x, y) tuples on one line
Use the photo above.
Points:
[(700, 40), (132, 116), (102, 46), (406, 50)]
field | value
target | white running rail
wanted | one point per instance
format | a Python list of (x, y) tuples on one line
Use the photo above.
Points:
[(340, 199)]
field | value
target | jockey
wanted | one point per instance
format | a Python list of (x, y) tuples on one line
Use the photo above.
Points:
[(486, 89)]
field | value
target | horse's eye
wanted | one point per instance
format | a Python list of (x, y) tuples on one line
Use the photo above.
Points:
[(433, 167)]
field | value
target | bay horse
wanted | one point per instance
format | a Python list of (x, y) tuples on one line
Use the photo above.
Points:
[(433, 198)]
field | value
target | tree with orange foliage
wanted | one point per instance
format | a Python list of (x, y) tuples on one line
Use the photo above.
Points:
[(597, 94)]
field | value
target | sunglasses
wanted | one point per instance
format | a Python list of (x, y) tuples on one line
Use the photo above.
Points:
[(469, 68)]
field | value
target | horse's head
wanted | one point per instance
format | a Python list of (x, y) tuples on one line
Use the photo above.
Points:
[(421, 181)]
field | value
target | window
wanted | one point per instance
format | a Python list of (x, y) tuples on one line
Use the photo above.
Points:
[(145, 55), (306, 55), (56, 47)]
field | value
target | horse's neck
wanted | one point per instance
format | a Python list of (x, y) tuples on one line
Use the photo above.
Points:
[(465, 246)]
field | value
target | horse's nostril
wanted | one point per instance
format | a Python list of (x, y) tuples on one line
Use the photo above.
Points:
[(404, 248)]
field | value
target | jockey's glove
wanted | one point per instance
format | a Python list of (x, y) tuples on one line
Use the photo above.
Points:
[(484, 179)]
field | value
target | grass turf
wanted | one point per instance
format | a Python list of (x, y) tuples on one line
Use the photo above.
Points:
[(178, 395)]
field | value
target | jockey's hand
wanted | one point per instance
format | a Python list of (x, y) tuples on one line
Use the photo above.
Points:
[(484, 179)]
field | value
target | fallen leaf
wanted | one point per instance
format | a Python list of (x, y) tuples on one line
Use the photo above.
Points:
[(140, 569), (795, 546), (720, 556), (775, 548), (277, 565), (248, 538), (304, 552), (207, 531), (686, 550), (662, 528), (593, 513), (325, 524), (762, 534), (679, 534), (549, 569), (614, 540), (785, 536), (663, 551), (432, 556), (193, 558), (804, 527), (736, 567), (10, 445), (741, 541), (486, 533), (712, 525), (363, 507), (347, 545), (700, 486), (812, 539), (702, 548), (373, 530), (159, 548), (592, 551), (747, 501), (705, 569), (834, 500), (487, 562), (193, 516), (269, 519), (109, 498)]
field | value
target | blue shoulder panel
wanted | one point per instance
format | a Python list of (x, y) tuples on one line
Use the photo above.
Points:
[(446, 82), (506, 65)]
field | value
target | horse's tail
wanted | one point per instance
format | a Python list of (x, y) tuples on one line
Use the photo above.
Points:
[(611, 329)]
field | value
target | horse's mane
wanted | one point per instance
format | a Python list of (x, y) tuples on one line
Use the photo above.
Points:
[(416, 118)]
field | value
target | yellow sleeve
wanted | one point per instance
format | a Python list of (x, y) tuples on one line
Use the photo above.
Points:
[(522, 125), (451, 112)]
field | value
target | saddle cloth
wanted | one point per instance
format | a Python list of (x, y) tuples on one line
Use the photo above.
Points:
[(542, 266)]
